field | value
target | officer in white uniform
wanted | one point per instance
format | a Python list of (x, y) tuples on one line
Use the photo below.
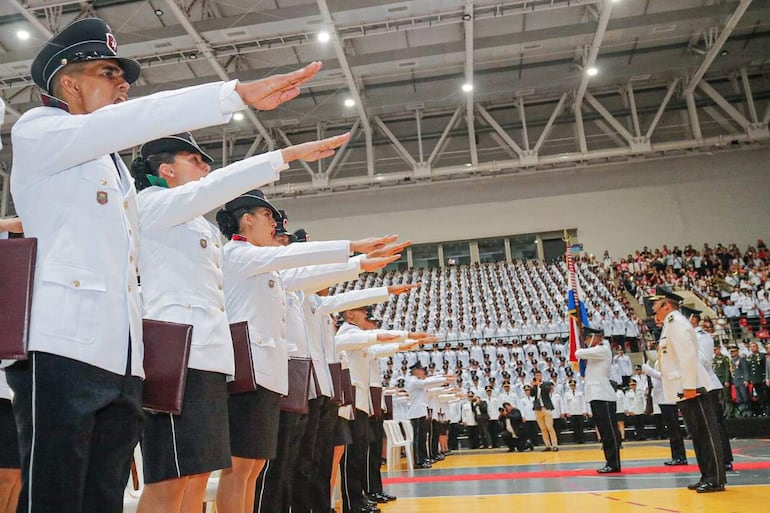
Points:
[(600, 395), (250, 269), (706, 357), (685, 381), (362, 346), (574, 407), (86, 332), (670, 414)]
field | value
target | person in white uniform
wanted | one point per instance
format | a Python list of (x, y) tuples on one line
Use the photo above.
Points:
[(600, 395), (86, 331), (686, 382), (181, 263), (255, 292)]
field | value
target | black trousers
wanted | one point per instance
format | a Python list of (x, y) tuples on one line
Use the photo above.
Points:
[(319, 488), (576, 423), (531, 428), (637, 422), (484, 439), (604, 419), (374, 455), (454, 429), (514, 444), (435, 432), (494, 431), (421, 427), (670, 415), (78, 426), (700, 419), (305, 489), (353, 464), (727, 450), (275, 483)]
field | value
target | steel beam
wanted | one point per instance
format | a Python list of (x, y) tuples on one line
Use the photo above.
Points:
[(31, 18), (499, 130), (717, 46), (441, 140), (396, 143), (614, 123), (604, 127), (749, 96), (548, 164), (334, 165), (523, 119), (726, 106), (204, 48), (632, 106), (661, 109), (551, 120), (469, 119), (593, 52), (580, 129), (720, 120), (692, 112), (253, 148)]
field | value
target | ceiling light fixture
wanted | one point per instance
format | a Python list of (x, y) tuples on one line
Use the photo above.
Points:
[(592, 71), (193, 56), (324, 37), (467, 16), (467, 88), (22, 34), (158, 12), (349, 102), (238, 116), (723, 53)]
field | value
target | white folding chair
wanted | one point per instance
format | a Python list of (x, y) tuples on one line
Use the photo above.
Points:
[(134, 488), (211, 493)]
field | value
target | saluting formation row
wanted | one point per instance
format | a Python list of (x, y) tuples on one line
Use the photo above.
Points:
[(78, 397)]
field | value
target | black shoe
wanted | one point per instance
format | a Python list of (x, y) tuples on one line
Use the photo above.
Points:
[(555, 449), (388, 497), (710, 487), (608, 470), (423, 464), (728, 467), (694, 486), (547, 449), (676, 462), (376, 498)]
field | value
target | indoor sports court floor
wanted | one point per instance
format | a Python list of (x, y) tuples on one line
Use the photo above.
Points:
[(495, 480)]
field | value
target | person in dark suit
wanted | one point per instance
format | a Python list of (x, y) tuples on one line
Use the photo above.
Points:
[(543, 407), (514, 429), (481, 412)]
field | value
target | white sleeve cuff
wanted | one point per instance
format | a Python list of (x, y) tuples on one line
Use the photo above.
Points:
[(276, 160), (229, 100)]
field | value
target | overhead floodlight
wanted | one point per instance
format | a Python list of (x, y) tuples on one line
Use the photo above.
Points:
[(238, 116), (350, 102), (592, 71), (158, 12), (467, 88), (193, 56), (22, 34), (324, 37)]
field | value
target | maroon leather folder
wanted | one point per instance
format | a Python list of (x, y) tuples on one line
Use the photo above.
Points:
[(376, 395), (389, 405), (348, 391), (300, 370), (335, 369), (244, 360), (17, 276), (166, 355)]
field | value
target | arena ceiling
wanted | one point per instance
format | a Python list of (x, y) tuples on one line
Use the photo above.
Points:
[(672, 77)]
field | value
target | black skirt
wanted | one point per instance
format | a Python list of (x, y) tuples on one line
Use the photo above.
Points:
[(196, 441), (254, 424), (9, 439)]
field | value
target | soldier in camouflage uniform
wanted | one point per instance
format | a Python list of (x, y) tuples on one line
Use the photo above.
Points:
[(721, 366)]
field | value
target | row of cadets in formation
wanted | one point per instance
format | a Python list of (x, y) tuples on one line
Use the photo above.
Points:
[(83, 378)]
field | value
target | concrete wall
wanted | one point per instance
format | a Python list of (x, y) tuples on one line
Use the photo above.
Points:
[(724, 197)]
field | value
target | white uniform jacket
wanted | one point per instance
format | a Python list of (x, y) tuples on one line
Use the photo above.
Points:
[(320, 333), (255, 292), (418, 394), (596, 385), (573, 403), (67, 189), (361, 347), (181, 257), (657, 387), (706, 357), (680, 366)]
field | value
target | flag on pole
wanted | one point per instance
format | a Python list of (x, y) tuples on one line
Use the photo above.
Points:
[(576, 310)]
